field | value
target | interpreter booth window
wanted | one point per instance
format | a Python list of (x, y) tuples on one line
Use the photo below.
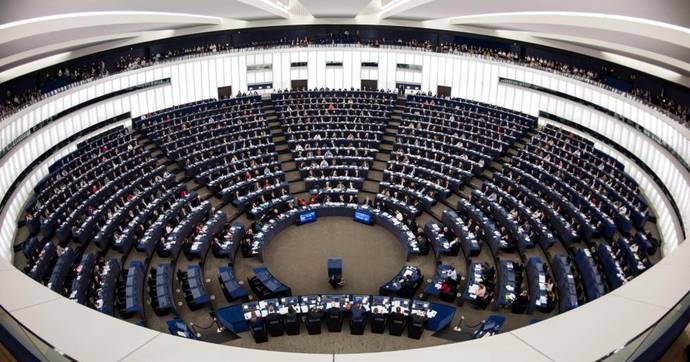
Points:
[(225, 92), (370, 84)]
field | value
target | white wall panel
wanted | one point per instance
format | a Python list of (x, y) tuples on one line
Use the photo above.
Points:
[(469, 77)]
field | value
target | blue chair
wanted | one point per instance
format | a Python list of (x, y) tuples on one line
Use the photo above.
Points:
[(491, 325)]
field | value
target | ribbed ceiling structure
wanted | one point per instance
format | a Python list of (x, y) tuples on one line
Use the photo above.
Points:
[(652, 36)]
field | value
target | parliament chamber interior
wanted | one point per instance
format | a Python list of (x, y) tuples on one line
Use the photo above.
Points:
[(316, 180)]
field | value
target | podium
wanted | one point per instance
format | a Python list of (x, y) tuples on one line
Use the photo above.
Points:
[(313, 322), (335, 271), (292, 324), (416, 327), (378, 323), (334, 319), (258, 331), (397, 324), (274, 324), (357, 324)]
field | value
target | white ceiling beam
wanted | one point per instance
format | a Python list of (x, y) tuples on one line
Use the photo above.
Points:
[(681, 64), (276, 8), (629, 25), (438, 24), (398, 6), (55, 47), (26, 28)]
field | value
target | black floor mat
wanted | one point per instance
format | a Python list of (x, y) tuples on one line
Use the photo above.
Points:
[(450, 335), (222, 337)]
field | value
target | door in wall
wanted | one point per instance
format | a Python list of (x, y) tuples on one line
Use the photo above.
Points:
[(297, 84)]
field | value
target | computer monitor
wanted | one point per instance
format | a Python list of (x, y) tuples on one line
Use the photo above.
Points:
[(363, 217), (307, 217)]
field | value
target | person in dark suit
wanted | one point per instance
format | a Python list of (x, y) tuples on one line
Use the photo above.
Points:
[(397, 322), (336, 280), (257, 328), (255, 322), (358, 312)]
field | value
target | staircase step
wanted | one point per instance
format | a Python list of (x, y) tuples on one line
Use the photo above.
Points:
[(389, 138), (370, 186), (291, 176), (288, 165), (297, 187), (381, 165), (375, 175), (285, 157), (383, 157)]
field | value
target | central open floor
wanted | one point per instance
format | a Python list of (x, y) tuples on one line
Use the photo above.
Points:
[(371, 256)]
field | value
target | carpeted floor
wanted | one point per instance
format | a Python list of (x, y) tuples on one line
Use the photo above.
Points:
[(371, 256)]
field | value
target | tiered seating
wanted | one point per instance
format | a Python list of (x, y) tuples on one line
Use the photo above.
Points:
[(225, 145), (615, 277), (131, 289), (210, 232), (32, 246), (163, 200), (530, 214), (187, 228), (66, 201), (160, 289), (557, 188), (567, 220), (105, 282), (570, 167), (480, 285), (41, 268), (592, 283), (510, 286), (513, 216), (405, 283), (631, 257), (444, 284), (193, 286), (466, 230), (442, 240), (62, 270), (566, 283), (81, 283), (513, 236), (483, 226), (441, 144), (126, 217), (81, 221), (230, 285), (160, 229), (230, 242), (606, 174), (541, 295), (333, 135)]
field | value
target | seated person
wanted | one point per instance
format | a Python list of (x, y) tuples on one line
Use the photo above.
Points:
[(521, 303), (358, 312), (336, 280)]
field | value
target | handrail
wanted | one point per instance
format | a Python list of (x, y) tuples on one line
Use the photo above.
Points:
[(602, 85), (77, 107), (601, 109), (22, 346), (627, 154), (52, 150)]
